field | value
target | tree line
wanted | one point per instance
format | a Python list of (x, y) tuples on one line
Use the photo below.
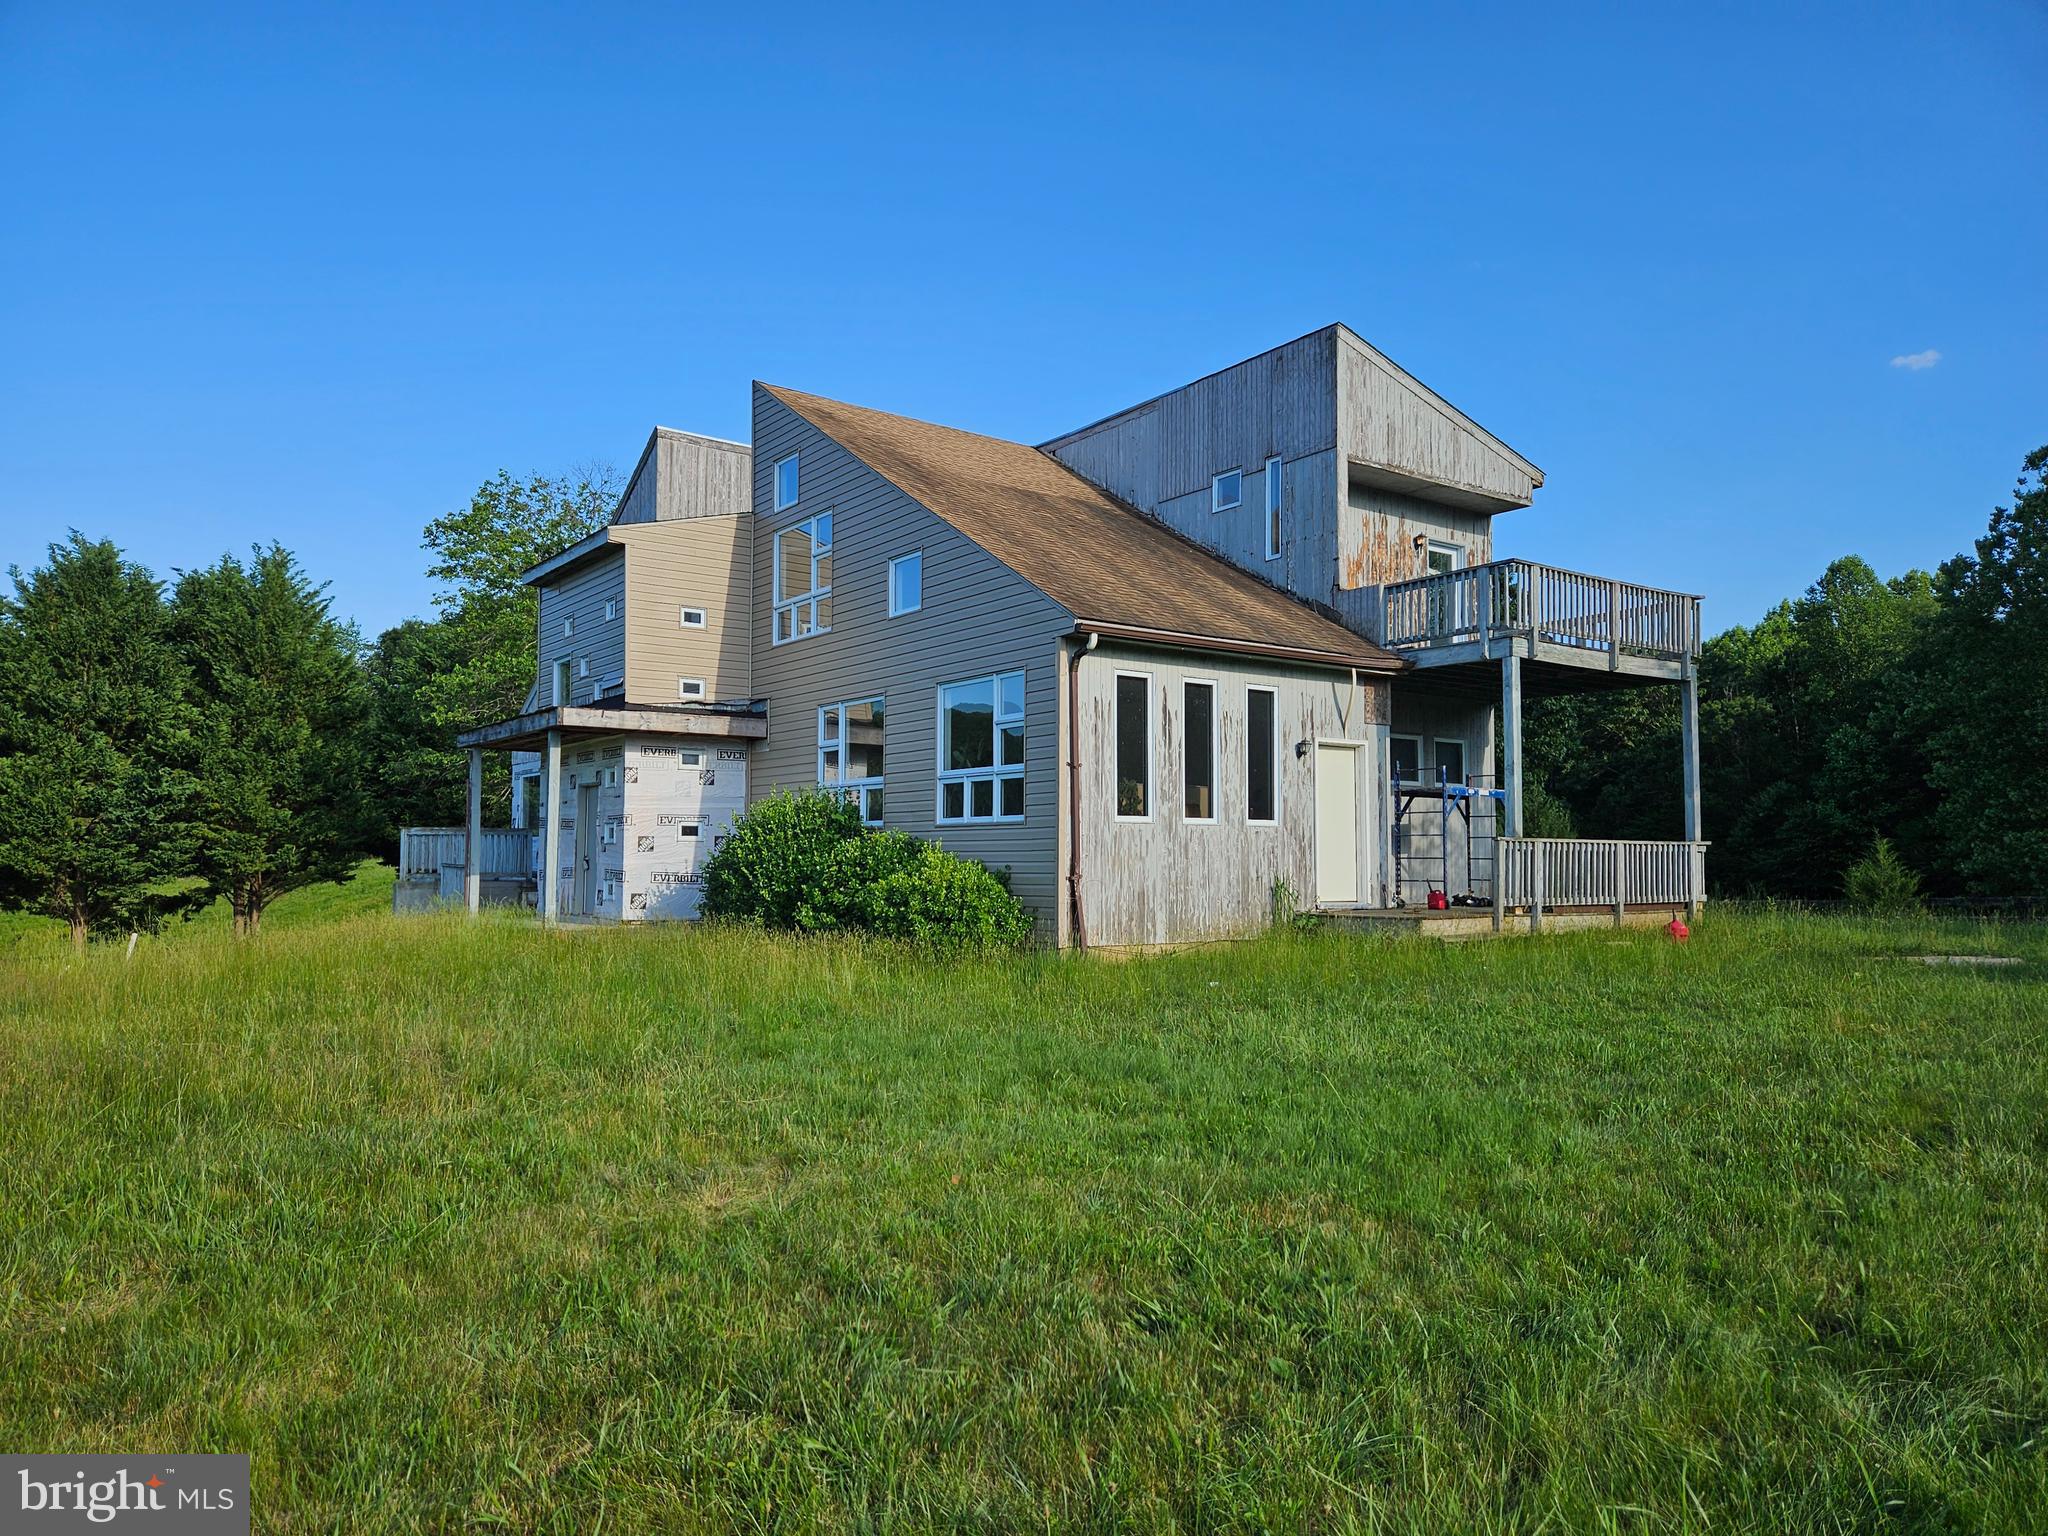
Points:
[(1912, 708), (224, 737)]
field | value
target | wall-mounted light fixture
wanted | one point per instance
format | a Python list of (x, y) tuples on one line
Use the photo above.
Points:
[(1301, 749)]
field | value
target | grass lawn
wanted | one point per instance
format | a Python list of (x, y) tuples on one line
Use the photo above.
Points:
[(467, 1226)]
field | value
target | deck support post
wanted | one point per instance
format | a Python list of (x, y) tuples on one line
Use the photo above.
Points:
[(1511, 736), (1689, 735), (551, 839), (473, 836)]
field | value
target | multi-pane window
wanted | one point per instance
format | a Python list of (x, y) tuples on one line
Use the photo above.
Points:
[(1133, 746), (906, 583), (1261, 755), (1227, 490), (785, 483), (981, 749), (1275, 485), (1198, 751), (850, 754), (803, 579)]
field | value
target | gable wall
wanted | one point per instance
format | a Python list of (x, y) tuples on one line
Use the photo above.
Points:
[(979, 617), (682, 475)]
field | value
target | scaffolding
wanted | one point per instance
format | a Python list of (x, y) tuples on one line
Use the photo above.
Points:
[(1451, 799)]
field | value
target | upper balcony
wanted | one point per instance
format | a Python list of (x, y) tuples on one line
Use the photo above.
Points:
[(1564, 618)]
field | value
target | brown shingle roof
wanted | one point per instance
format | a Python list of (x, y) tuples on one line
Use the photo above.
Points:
[(1104, 562)]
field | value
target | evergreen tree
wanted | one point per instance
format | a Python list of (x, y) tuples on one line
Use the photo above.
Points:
[(280, 706), (92, 719)]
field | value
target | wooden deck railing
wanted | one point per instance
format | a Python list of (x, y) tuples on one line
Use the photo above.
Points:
[(423, 852), (1540, 872), (1507, 598)]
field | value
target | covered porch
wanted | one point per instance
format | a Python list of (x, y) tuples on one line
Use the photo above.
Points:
[(1528, 631), (547, 731)]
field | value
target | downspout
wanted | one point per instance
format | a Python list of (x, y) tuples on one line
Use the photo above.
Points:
[(1075, 903)]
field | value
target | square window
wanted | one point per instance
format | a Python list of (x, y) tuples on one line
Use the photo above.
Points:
[(906, 583), (689, 687), (1227, 490), (1406, 755), (690, 618), (785, 482), (1450, 760)]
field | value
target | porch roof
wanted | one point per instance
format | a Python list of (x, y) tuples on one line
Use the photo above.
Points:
[(529, 732)]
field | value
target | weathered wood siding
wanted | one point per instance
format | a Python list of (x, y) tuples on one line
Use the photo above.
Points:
[(684, 475), (599, 641), (1377, 544), (979, 617), (1169, 880), (1389, 420), (702, 563)]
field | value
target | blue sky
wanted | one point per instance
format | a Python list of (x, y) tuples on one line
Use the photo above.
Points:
[(313, 275)]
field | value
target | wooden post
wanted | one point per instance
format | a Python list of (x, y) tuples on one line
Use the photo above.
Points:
[(1620, 878), (473, 839), (1614, 626), (551, 839), (1511, 736), (1500, 882), (1689, 733), (1536, 861)]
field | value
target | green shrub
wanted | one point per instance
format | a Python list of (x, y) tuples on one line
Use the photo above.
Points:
[(775, 863), (1880, 883), (804, 861)]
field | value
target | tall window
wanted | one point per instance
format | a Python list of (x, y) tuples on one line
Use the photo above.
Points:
[(1133, 746), (1261, 755), (562, 680), (850, 754), (1227, 490), (1275, 485), (981, 749), (803, 579), (785, 483), (906, 583), (1198, 751)]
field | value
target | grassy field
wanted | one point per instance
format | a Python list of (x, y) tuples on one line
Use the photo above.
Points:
[(472, 1227)]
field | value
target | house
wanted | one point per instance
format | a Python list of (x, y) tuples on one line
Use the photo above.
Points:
[(1247, 639)]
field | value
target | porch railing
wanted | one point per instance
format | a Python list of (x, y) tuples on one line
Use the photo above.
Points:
[(429, 853), (1507, 598), (1552, 872)]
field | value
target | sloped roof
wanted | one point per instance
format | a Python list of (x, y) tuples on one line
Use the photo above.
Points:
[(1107, 564)]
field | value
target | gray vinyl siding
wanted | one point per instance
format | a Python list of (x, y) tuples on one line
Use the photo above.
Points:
[(1170, 880), (979, 618), (582, 594)]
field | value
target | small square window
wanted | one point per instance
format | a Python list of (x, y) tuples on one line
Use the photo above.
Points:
[(785, 482), (691, 618), (1227, 490), (906, 583), (689, 687)]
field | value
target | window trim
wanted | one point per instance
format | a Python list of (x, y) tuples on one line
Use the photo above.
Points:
[(1116, 748), (778, 604), (1216, 501), (684, 621), (859, 786), (1394, 736), (1443, 547), (1275, 490), (1274, 694), (1215, 751), (1464, 754), (909, 554), (682, 688), (796, 474), (1000, 770)]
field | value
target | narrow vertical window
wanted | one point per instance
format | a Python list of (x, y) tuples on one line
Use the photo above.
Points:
[(1198, 751), (1133, 746), (906, 583), (1261, 756), (1275, 485), (785, 482)]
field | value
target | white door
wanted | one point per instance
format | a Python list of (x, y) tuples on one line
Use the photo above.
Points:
[(1336, 826)]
